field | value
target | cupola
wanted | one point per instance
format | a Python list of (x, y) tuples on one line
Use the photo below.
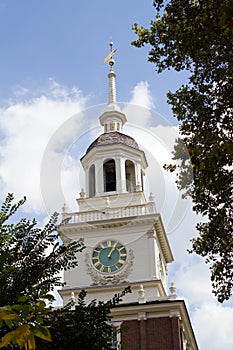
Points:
[(113, 163)]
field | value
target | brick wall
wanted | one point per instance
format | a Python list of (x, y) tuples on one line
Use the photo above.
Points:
[(162, 333)]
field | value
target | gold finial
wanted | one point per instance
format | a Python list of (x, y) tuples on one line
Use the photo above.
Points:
[(109, 58)]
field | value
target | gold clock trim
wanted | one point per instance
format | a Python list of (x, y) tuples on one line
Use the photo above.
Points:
[(109, 256)]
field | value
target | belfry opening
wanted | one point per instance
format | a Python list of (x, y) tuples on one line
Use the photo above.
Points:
[(130, 176), (109, 176)]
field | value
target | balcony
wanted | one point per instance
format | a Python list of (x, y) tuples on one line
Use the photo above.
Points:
[(108, 213)]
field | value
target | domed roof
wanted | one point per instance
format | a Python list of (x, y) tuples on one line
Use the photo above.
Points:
[(113, 137)]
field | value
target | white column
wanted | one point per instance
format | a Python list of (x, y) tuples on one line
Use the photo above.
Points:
[(87, 182), (99, 177), (117, 326), (151, 250), (138, 177), (120, 175)]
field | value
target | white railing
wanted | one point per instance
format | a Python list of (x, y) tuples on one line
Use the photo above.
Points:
[(109, 213)]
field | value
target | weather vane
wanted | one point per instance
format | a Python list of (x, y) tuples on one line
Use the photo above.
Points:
[(109, 58)]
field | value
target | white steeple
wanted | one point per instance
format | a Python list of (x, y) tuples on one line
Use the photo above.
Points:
[(114, 164), (125, 240), (114, 215)]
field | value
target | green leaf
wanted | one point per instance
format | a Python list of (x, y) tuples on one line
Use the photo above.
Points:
[(39, 319), (41, 305), (42, 332), (22, 335), (23, 299), (6, 313), (6, 339), (9, 323), (26, 310), (31, 344)]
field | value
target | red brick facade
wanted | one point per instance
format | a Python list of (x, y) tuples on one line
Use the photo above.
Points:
[(162, 333)]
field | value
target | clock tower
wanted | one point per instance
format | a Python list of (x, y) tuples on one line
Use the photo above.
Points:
[(126, 243)]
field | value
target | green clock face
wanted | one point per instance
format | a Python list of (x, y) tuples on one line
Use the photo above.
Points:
[(109, 256)]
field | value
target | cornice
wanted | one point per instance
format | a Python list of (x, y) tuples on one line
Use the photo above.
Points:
[(110, 150), (89, 226)]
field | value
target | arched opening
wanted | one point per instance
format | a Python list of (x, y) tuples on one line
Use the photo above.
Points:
[(109, 176), (130, 176), (92, 181)]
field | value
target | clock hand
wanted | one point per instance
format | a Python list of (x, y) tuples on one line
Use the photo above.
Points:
[(113, 248)]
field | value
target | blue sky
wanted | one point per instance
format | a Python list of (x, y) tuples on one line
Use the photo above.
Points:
[(67, 40), (50, 72)]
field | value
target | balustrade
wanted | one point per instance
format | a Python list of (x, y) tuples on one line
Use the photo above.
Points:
[(109, 213)]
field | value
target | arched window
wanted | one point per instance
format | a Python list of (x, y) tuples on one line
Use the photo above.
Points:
[(92, 181), (130, 176), (109, 176)]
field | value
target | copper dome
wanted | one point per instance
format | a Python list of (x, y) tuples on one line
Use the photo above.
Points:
[(111, 138)]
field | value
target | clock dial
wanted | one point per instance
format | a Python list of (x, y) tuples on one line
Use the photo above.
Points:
[(109, 256)]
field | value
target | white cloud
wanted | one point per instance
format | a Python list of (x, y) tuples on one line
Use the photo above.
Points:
[(141, 95), (213, 325), (211, 321), (138, 109), (193, 280), (26, 128)]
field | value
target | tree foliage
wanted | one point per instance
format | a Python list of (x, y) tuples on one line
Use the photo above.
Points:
[(81, 326), (25, 320), (31, 259), (197, 36)]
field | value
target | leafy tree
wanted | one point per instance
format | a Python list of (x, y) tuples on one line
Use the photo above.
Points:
[(197, 36), (81, 326), (26, 321), (31, 259)]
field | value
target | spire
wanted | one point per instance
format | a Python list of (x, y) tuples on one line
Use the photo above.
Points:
[(112, 102), (112, 78), (112, 119), (111, 87)]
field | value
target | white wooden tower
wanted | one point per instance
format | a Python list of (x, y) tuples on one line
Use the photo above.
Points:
[(126, 243)]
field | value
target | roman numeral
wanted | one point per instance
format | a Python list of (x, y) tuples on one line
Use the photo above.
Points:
[(102, 268), (121, 248)]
